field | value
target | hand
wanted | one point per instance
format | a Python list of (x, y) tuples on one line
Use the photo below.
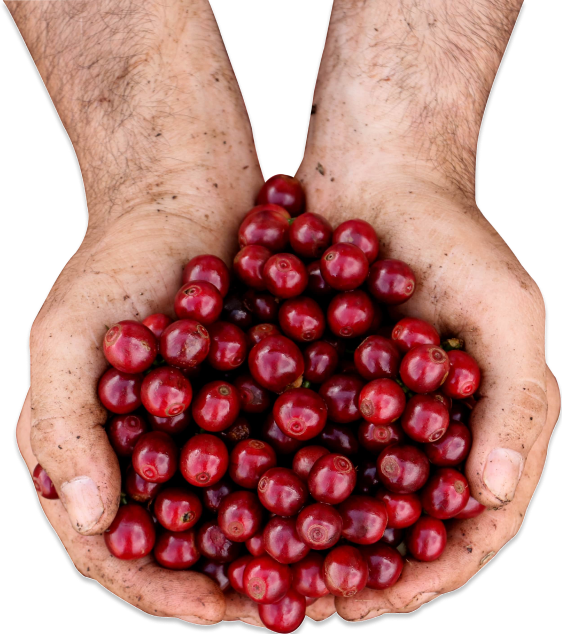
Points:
[(392, 144)]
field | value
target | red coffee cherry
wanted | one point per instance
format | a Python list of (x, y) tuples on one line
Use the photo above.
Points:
[(361, 234), (276, 363), (119, 392), (203, 460), (341, 395), (216, 406), (185, 343), (131, 534), (300, 413), (310, 235), (235, 573), (320, 362), (207, 268), (403, 468), (319, 526), (305, 458), (139, 489), (364, 519), (332, 479), (345, 571), (285, 615), (410, 332), (155, 457), (385, 565), (350, 314), (249, 460), (285, 191), (254, 399), (464, 375), (452, 448), (344, 266), (426, 539), (302, 319), (43, 484), (240, 515), (424, 368), (472, 509), (285, 275), (157, 323), (375, 438), (446, 494), (377, 358), (403, 509), (200, 301), (308, 577), (228, 346), (282, 492), (177, 551), (425, 418), (267, 227), (177, 509), (166, 392), (130, 347), (382, 401), (213, 544), (123, 432), (248, 265), (283, 542), (266, 580), (391, 281)]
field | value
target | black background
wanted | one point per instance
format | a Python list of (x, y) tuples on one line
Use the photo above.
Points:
[(44, 221)]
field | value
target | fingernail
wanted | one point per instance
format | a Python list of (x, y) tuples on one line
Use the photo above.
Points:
[(83, 504), (502, 473)]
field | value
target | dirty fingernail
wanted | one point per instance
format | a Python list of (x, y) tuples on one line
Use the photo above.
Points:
[(502, 473), (83, 503)]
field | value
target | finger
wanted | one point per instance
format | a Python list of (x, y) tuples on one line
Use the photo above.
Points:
[(186, 595), (241, 608), (471, 544), (322, 608)]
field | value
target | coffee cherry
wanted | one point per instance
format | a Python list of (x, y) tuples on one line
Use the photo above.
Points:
[(403, 468), (282, 443), (249, 460), (170, 424), (285, 275), (43, 484), (248, 265), (364, 519), (308, 577), (275, 363), (177, 551), (446, 494), (166, 392), (139, 489), (200, 301), (425, 418), (464, 375), (282, 190), (424, 368), (185, 343), (119, 392), (472, 509), (317, 285), (131, 534), (320, 362), (213, 544), (203, 460), (310, 235), (375, 438), (268, 227), (367, 478), (155, 457), (228, 346), (123, 432), (213, 494), (301, 319), (393, 536), (216, 406), (403, 509), (385, 565), (426, 539), (377, 358), (260, 332), (130, 347), (300, 413), (263, 306), (235, 573), (382, 401), (254, 399), (285, 615), (235, 312), (344, 266), (319, 526), (216, 572), (361, 234), (339, 439), (283, 542), (177, 509), (391, 281), (240, 515), (452, 448), (282, 492), (255, 544), (305, 458), (157, 323), (266, 580), (332, 479), (341, 395), (350, 314), (207, 268), (345, 571), (410, 332)]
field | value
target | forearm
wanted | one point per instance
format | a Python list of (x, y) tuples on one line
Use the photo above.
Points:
[(147, 96), (433, 63)]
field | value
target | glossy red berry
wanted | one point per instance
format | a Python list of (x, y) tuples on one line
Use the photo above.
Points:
[(240, 515), (472, 509), (393, 536), (216, 406), (284, 615), (382, 401), (385, 565), (377, 358), (403, 468), (345, 571), (123, 432), (452, 448), (361, 234), (157, 323), (350, 314), (166, 392), (332, 479), (424, 368), (276, 363), (391, 281), (200, 301), (282, 443), (155, 457), (235, 573), (426, 539), (267, 227), (339, 439), (344, 266), (341, 395), (375, 438), (319, 526), (282, 492), (403, 509), (464, 375), (177, 509), (204, 460), (120, 392), (139, 489), (300, 413), (266, 580), (302, 319), (255, 544), (320, 362), (185, 343), (317, 285), (170, 424), (213, 494), (207, 268), (282, 541), (254, 399), (426, 418), (285, 275), (213, 544), (445, 494), (176, 551), (249, 460), (285, 191), (364, 519), (260, 332), (216, 572), (248, 265), (43, 484), (410, 332), (131, 534), (263, 306), (228, 346), (308, 576), (305, 458), (130, 347), (310, 235)]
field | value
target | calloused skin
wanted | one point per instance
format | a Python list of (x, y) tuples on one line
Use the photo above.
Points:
[(169, 167)]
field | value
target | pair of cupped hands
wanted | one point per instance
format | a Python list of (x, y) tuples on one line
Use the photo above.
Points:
[(469, 285)]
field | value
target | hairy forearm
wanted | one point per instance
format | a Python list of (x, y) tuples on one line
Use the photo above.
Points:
[(147, 95), (429, 65)]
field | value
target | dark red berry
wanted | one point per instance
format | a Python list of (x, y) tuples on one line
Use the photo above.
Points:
[(185, 343), (319, 526), (276, 363), (119, 392), (385, 565), (284, 615), (382, 401), (255, 544), (130, 347), (200, 301), (254, 399), (410, 332), (267, 228), (213, 544), (472, 509), (216, 406), (228, 346), (285, 191), (177, 509), (139, 489), (235, 312), (310, 235), (426, 418), (375, 438), (341, 395), (43, 484), (266, 580), (213, 494), (282, 492), (452, 448), (260, 332), (285, 275), (166, 392), (302, 319), (308, 576), (300, 413), (249, 460), (317, 285), (393, 536), (339, 439), (445, 494), (177, 551), (216, 572), (364, 519), (155, 457), (207, 268), (361, 234), (263, 306), (426, 539), (424, 368), (204, 460), (320, 362), (157, 323), (282, 541), (332, 479), (464, 375), (377, 358), (236, 573), (344, 266), (123, 432), (350, 314), (170, 424), (391, 281), (345, 571), (403, 509), (131, 534), (240, 515), (403, 468), (248, 265), (367, 478), (305, 458), (282, 443)]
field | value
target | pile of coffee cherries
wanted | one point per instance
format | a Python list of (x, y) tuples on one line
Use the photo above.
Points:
[(284, 435)]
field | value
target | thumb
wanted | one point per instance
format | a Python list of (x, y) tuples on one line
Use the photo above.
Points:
[(67, 433)]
